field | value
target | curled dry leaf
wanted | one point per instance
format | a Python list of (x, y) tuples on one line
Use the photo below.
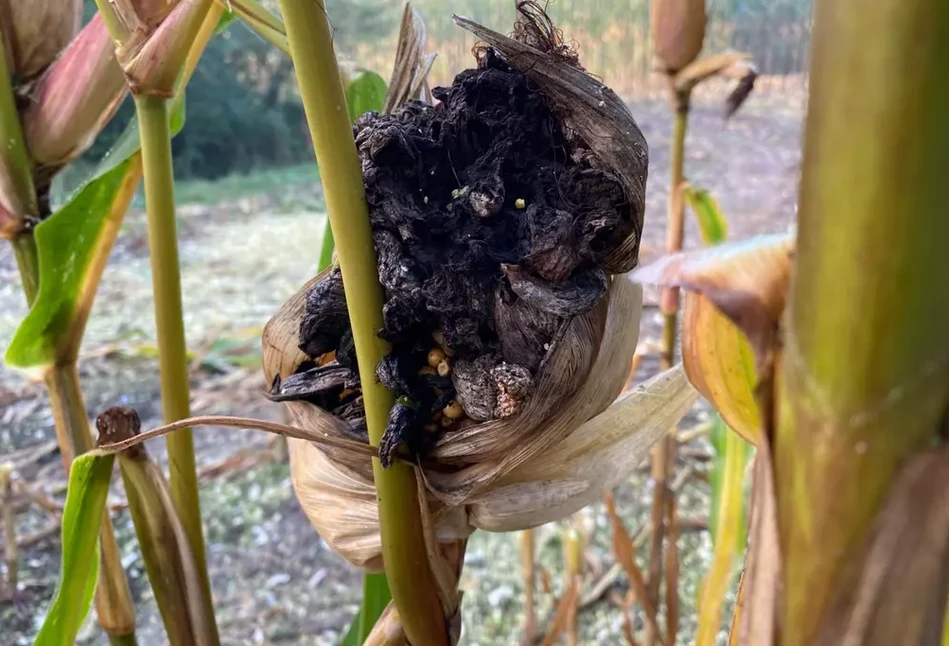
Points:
[(720, 364), (731, 65), (736, 295), (747, 281), (705, 68), (412, 65)]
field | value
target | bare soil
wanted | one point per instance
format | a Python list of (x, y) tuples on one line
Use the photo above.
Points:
[(275, 581)]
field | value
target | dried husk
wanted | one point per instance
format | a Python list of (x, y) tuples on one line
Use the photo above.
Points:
[(36, 31), (568, 444)]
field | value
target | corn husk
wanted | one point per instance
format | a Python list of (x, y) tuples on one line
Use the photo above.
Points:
[(36, 31), (572, 441), (74, 99), (678, 29)]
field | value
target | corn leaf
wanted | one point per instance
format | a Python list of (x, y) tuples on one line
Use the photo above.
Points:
[(720, 363), (73, 246), (227, 17), (712, 223), (375, 598), (89, 479), (366, 92), (727, 525)]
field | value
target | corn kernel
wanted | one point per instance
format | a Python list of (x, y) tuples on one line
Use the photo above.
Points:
[(435, 357), (453, 410), (444, 368), (519, 203), (447, 421), (426, 370)]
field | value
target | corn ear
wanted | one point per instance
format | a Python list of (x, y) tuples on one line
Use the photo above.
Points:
[(74, 99), (678, 30), (169, 562), (35, 31)]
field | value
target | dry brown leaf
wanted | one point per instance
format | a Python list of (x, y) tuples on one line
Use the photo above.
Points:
[(895, 591), (741, 92), (705, 68), (626, 554), (748, 281), (561, 618), (411, 67), (761, 581)]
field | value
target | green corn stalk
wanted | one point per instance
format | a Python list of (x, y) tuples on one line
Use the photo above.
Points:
[(410, 577), (863, 383)]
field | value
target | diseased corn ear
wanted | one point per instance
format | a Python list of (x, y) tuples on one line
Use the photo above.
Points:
[(74, 99), (678, 30), (35, 31)]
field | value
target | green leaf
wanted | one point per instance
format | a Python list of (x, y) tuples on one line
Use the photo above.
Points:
[(375, 598), (712, 224), (727, 524), (366, 92), (86, 496), (227, 17), (73, 245)]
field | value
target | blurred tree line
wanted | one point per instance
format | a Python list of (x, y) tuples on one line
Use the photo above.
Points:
[(244, 112)]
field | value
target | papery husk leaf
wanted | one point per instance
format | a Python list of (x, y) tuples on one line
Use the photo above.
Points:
[(411, 65), (894, 591), (705, 68), (599, 117), (747, 281), (36, 31), (761, 583)]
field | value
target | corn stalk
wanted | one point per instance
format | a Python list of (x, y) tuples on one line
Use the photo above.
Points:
[(153, 58), (406, 560), (864, 379), (113, 598)]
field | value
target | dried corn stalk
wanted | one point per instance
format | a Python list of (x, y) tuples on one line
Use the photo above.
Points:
[(507, 406)]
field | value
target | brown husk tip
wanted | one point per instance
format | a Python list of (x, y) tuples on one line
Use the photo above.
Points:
[(499, 216)]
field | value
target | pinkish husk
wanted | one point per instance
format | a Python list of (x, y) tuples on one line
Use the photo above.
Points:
[(74, 100)]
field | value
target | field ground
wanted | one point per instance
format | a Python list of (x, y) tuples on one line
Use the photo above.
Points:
[(247, 243)]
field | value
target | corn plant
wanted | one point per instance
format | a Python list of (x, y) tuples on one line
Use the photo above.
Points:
[(849, 404), (822, 568)]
